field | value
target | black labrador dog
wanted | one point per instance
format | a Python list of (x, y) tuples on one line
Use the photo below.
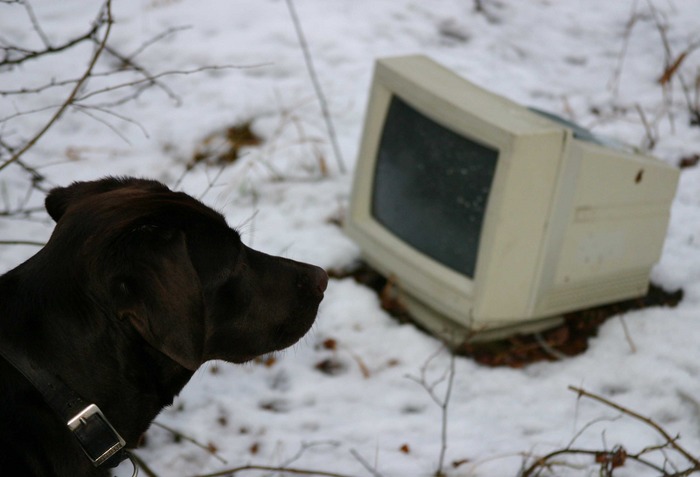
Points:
[(136, 288)]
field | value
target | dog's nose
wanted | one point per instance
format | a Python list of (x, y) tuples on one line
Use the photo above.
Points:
[(321, 280)]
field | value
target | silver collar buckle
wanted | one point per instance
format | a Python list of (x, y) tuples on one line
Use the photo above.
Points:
[(99, 440)]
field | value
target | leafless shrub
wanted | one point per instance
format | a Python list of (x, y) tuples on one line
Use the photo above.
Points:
[(674, 73), (110, 79), (443, 401), (608, 460)]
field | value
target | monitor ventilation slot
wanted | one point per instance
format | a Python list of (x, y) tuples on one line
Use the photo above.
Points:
[(606, 290)]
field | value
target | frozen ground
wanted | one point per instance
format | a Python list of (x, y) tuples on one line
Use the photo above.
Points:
[(596, 62)]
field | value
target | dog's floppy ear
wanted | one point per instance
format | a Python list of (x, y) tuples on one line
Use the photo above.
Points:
[(59, 198), (159, 293)]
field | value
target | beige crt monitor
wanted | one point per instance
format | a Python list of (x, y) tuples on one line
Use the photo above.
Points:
[(492, 218)]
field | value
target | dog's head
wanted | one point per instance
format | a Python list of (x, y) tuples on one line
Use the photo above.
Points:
[(169, 266)]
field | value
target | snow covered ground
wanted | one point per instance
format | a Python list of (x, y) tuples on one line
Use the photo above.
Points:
[(596, 62)]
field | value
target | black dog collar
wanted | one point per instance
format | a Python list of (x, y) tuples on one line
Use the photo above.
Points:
[(99, 440)]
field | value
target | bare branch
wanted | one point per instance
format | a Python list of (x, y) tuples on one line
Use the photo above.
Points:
[(7, 59), (22, 242), (88, 112), (614, 83), (317, 85), (180, 435), (107, 11), (442, 401), (610, 459), (150, 79), (138, 461), (364, 463), (601, 457), (672, 441), (35, 23), (288, 470), (628, 335)]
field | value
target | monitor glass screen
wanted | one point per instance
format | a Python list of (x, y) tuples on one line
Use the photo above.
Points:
[(431, 187)]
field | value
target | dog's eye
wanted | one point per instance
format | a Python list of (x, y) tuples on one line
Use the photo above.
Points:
[(222, 276), (228, 275), (146, 228), (155, 232)]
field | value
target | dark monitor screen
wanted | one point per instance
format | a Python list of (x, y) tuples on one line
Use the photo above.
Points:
[(431, 187)]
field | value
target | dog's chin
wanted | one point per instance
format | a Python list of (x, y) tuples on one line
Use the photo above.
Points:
[(288, 335), (277, 338), (284, 338), (278, 345), (243, 359)]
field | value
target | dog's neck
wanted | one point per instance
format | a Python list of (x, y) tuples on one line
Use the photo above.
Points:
[(123, 375)]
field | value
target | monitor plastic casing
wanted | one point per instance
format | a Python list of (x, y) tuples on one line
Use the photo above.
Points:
[(571, 221)]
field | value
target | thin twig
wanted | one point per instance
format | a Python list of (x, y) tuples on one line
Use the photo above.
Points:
[(549, 349), (651, 135), (55, 49), (22, 242), (142, 464), (546, 460), (129, 61), (306, 446), (151, 79), (36, 176), (364, 463), (77, 101), (146, 80), (317, 86), (156, 39), (35, 23), (180, 435), (614, 83), (628, 335), (212, 182), (442, 401), (443, 408), (91, 115), (289, 470)]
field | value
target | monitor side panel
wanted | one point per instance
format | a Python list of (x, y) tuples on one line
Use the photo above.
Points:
[(612, 230), (517, 230)]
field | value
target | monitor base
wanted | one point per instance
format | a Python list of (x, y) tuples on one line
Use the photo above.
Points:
[(456, 334)]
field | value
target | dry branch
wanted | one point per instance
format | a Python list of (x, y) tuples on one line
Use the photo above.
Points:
[(180, 435), (443, 401), (81, 96), (672, 441), (26, 55), (268, 468), (611, 459), (22, 242), (107, 12), (317, 85)]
